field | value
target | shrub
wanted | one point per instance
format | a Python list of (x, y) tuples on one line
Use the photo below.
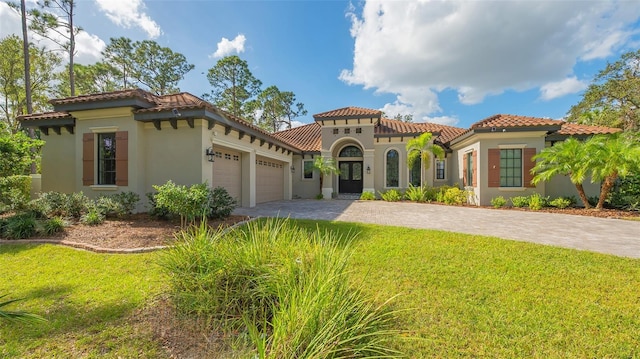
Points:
[(3, 225), (221, 204), (560, 202), (76, 204), (440, 191), (319, 196), (593, 200), (56, 204), (15, 192), (520, 201), (392, 195), (626, 193), (417, 193), (287, 286), (108, 207), (127, 201), (155, 210), (20, 226), (93, 217), (367, 196), (53, 225), (186, 202), (537, 202), (454, 195), (498, 202)]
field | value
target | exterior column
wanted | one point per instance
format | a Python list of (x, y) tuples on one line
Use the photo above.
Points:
[(288, 181), (327, 182), (249, 179), (368, 185)]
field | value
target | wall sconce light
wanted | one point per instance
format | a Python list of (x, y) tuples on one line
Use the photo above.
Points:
[(210, 154), (368, 170), (293, 169)]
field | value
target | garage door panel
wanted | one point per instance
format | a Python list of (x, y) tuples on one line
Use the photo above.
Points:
[(270, 180), (227, 171)]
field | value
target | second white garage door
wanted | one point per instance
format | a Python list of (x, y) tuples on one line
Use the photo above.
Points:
[(227, 172), (269, 180)]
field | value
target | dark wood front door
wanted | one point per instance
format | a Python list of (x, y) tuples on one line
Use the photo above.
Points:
[(350, 177)]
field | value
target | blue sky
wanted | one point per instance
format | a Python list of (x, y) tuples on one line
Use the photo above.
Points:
[(453, 62)]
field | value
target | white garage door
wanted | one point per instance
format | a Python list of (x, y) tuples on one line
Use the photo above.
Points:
[(227, 171), (269, 180)]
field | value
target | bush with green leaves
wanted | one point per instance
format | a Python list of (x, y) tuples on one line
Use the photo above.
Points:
[(93, 217), (53, 225), (417, 193), (440, 191), (287, 287), (520, 201), (626, 193), (20, 226), (498, 202), (391, 195), (454, 196), (15, 192), (187, 202), (108, 206), (367, 196), (127, 201), (155, 210), (560, 202), (537, 202), (56, 204), (221, 204)]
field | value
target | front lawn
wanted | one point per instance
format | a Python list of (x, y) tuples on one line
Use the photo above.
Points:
[(465, 296)]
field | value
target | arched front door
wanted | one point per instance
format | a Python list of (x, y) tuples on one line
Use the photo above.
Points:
[(350, 165)]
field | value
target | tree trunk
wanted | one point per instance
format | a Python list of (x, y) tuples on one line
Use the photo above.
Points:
[(72, 50), (27, 78), (606, 188), (582, 195)]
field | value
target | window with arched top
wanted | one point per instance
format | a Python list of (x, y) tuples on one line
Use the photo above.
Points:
[(392, 168), (350, 151)]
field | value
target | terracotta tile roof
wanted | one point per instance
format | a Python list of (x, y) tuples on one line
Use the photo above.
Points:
[(44, 116), (574, 129), (502, 121), (447, 133), (346, 112), (390, 127), (306, 138), (107, 96), (180, 101)]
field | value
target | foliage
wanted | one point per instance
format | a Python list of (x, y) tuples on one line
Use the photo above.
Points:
[(12, 83), (613, 98), (273, 110), (537, 202), (520, 201), (155, 210), (233, 86), (560, 202), (284, 284), (17, 155), (15, 192), (422, 148), (455, 196), (54, 225), (498, 202), (186, 202), (159, 68), (118, 204), (56, 204), (93, 217), (416, 193), (119, 58), (367, 196), (20, 226), (17, 316), (391, 195), (93, 78), (221, 204), (563, 158), (326, 167), (626, 193)]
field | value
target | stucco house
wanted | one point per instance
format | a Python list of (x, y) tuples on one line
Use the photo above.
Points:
[(130, 140)]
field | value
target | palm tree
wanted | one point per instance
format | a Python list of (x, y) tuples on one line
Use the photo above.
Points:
[(326, 166), (421, 148), (565, 158), (611, 157)]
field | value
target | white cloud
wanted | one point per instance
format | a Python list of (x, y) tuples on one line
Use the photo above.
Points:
[(481, 48), (9, 21), (130, 13), (227, 47), (560, 88), (295, 124)]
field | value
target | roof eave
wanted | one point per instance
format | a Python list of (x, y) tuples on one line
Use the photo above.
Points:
[(134, 102)]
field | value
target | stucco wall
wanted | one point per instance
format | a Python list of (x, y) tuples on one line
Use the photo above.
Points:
[(58, 162), (302, 187), (561, 186)]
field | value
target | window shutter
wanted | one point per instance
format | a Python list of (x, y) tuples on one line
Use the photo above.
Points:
[(528, 164), (474, 159), (122, 158), (465, 180), (88, 150), (494, 167)]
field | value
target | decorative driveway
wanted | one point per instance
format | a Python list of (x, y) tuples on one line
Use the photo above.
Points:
[(611, 236)]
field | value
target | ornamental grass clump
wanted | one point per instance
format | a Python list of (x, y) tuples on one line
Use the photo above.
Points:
[(282, 287)]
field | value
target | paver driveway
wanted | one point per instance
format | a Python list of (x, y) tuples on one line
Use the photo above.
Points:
[(612, 236)]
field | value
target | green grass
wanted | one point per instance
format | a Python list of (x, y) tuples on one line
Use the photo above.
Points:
[(87, 298), (467, 296)]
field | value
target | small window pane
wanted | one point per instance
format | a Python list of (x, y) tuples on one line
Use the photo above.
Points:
[(440, 169), (344, 171), (308, 169), (357, 172), (351, 151), (107, 158), (511, 168), (393, 163)]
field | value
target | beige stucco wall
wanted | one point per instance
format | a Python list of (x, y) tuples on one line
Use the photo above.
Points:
[(561, 186), (58, 162), (302, 187)]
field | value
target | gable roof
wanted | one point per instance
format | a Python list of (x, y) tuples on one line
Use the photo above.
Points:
[(307, 138), (501, 121), (575, 129)]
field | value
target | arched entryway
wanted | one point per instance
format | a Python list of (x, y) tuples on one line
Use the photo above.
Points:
[(350, 163)]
